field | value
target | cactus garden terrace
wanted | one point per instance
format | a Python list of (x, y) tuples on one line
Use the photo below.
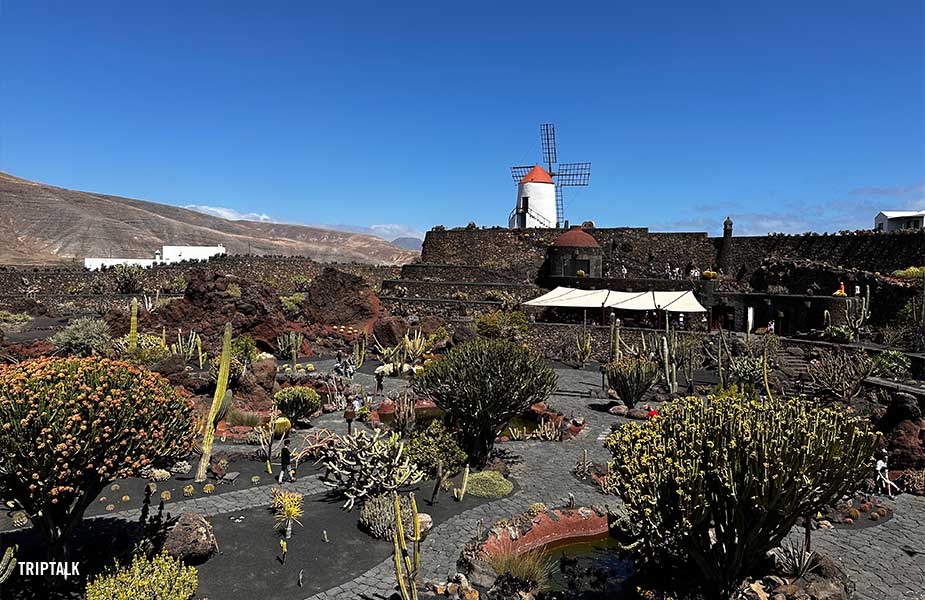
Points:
[(503, 456)]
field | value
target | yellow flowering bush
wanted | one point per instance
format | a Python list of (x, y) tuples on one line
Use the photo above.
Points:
[(162, 577), (71, 426), (715, 483)]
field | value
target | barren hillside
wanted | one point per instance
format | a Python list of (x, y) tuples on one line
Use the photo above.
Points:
[(41, 223)]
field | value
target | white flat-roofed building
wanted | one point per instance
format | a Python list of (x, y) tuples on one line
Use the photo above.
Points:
[(895, 220)]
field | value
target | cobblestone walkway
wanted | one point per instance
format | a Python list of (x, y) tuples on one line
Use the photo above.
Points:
[(886, 562)]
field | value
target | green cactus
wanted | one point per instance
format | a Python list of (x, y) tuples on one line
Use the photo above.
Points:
[(857, 313), (583, 344), (631, 377), (224, 408), (407, 562), (8, 563), (460, 492), (220, 387), (359, 350), (133, 328), (615, 351)]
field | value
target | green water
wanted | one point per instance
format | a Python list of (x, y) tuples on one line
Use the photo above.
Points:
[(594, 568)]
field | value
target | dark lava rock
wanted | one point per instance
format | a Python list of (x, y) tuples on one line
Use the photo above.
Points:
[(264, 374), (390, 330), (212, 299), (338, 298), (191, 539)]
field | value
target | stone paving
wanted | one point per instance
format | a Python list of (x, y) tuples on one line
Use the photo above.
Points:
[(885, 562)]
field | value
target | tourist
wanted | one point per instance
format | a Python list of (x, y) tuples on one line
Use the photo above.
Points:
[(770, 328), (285, 458), (380, 376), (623, 271), (340, 356), (357, 404), (883, 475)]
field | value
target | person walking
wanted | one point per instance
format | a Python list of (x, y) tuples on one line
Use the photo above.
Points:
[(285, 458), (380, 376)]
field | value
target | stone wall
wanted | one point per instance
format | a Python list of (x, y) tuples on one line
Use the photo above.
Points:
[(457, 290), (521, 253), (282, 272)]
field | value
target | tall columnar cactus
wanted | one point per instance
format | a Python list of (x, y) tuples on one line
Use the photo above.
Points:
[(669, 367), (407, 562), (583, 344), (858, 312), (133, 328), (8, 563), (460, 492), (220, 387), (359, 350), (615, 352)]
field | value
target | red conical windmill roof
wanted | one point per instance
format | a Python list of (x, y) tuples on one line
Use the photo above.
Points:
[(537, 175)]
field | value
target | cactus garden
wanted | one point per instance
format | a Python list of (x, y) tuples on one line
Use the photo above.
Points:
[(270, 455)]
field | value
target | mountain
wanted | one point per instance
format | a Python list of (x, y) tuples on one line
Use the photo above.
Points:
[(409, 243), (41, 223)]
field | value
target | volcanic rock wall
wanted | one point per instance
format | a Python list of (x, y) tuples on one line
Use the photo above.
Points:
[(521, 253)]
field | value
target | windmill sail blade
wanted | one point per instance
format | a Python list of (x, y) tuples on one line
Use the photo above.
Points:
[(548, 135), (560, 207), (519, 173), (573, 174)]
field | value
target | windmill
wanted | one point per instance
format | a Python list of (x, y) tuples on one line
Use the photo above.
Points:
[(561, 175)]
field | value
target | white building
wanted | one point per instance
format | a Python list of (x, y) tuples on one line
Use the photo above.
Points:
[(166, 255), (894, 220), (536, 201)]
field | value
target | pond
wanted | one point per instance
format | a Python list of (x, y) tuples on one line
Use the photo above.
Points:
[(593, 568)]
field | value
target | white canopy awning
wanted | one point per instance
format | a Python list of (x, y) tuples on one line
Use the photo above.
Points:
[(681, 301)]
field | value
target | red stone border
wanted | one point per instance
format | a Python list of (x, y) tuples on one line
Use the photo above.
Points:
[(547, 528)]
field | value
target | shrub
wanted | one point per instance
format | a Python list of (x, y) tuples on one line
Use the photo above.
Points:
[(84, 337), (235, 368), (533, 567), (748, 370), (377, 516), (501, 325), (297, 402), (292, 304), (892, 363), (7, 317), (435, 443), (162, 577), (149, 349), (838, 334), (489, 484), (717, 483), (482, 384), (363, 465), (910, 273), (233, 291), (73, 425), (244, 349), (631, 377), (842, 373)]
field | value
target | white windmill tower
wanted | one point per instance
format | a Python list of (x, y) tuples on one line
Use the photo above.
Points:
[(539, 191)]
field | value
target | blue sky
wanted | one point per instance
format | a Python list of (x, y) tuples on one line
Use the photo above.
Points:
[(788, 116)]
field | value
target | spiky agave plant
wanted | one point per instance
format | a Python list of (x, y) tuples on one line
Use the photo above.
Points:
[(288, 511)]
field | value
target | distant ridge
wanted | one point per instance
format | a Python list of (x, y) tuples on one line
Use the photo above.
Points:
[(409, 243), (41, 223)]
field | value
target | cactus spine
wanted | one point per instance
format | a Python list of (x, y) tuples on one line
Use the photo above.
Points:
[(220, 387), (8, 563), (460, 492), (407, 566), (133, 328)]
